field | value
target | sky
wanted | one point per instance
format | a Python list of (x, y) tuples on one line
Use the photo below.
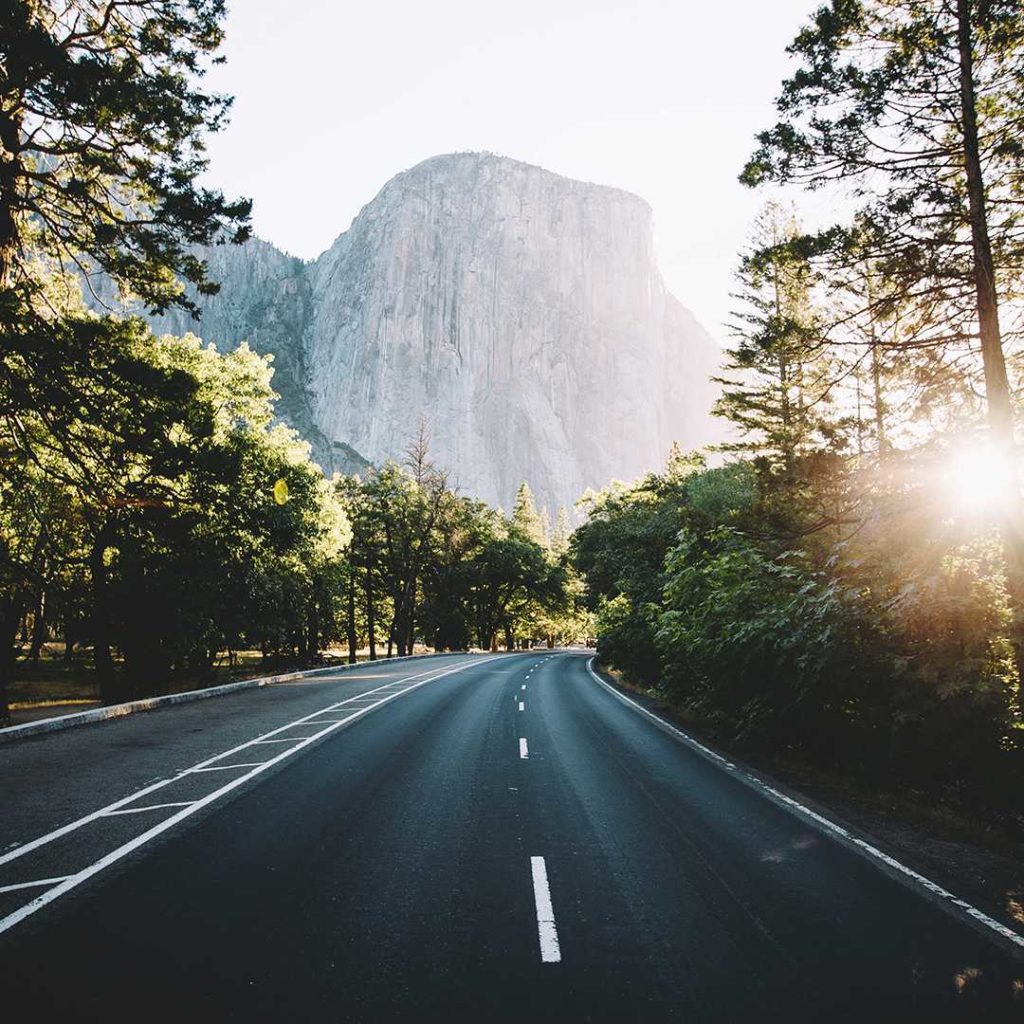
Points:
[(661, 98)]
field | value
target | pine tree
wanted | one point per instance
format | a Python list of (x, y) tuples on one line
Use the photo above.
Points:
[(914, 106), (526, 517), (776, 380), (562, 532)]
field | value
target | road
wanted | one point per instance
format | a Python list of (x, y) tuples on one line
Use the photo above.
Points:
[(459, 839)]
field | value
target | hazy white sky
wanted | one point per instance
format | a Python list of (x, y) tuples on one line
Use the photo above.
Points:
[(660, 97)]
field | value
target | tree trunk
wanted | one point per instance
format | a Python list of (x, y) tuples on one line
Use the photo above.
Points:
[(313, 625), (38, 627), (997, 388), (371, 618), (351, 620), (876, 370), (10, 169), (410, 633), (106, 676), (9, 618)]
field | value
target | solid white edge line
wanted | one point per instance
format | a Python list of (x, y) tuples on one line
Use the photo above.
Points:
[(524, 752), (864, 847), (547, 933), (72, 881), (228, 767), (57, 833)]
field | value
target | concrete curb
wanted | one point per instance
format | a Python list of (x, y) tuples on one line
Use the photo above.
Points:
[(14, 733)]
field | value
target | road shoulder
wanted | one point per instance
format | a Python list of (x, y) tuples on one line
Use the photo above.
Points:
[(987, 873)]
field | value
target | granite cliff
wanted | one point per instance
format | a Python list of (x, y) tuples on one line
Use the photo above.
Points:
[(520, 314)]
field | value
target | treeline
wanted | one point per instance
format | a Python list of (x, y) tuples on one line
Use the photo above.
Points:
[(849, 585), (163, 522), (152, 513), (428, 563)]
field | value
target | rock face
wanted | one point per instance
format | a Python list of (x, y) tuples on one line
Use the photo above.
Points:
[(519, 314)]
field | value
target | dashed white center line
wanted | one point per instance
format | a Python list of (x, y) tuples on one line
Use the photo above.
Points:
[(546, 930), (522, 706), (523, 687), (524, 752)]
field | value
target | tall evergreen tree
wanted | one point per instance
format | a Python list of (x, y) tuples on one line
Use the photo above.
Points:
[(526, 516), (915, 107), (775, 381)]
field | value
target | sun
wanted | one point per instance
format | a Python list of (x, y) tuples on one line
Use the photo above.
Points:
[(978, 480)]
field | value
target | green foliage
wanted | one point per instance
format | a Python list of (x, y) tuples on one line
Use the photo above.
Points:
[(448, 568), (767, 650), (102, 125), (883, 650), (160, 498), (777, 372), (620, 551)]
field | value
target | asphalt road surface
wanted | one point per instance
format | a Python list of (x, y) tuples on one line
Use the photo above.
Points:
[(454, 839)]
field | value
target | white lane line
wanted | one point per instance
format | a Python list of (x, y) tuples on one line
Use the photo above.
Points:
[(523, 687), (149, 807), (522, 706), (57, 833), (72, 881), (550, 953), (227, 767), (524, 752), (829, 826), (33, 885)]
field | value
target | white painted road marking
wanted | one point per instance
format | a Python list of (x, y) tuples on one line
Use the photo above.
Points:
[(72, 881), (522, 706), (523, 751), (57, 833), (546, 930), (523, 687), (829, 826), (149, 807), (32, 885)]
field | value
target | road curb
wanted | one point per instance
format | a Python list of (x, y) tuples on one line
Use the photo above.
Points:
[(13, 733)]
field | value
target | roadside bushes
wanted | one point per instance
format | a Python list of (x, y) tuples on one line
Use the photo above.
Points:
[(767, 651), (880, 650)]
